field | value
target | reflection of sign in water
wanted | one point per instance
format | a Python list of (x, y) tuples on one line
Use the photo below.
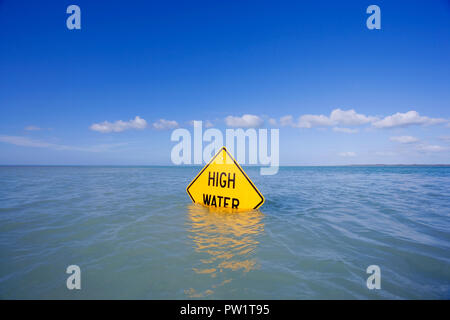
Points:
[(223, 184), (225, 243)]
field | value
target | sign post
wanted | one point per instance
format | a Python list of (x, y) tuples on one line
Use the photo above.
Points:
[(223, 184)]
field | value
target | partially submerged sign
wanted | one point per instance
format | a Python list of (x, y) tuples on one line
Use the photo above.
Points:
[(223, 184)]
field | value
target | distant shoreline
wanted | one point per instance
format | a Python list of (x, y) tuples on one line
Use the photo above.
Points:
[(395, 165)]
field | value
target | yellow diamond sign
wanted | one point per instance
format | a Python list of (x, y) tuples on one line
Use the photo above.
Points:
[(223, 184)]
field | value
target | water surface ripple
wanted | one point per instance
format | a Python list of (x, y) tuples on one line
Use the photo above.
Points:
[(135, 234)]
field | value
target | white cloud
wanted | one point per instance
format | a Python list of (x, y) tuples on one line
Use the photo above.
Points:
[(119, 126), (27, 142), (206, 124), (431, 148), (347, 154), (445, 138), (311, 120), (406, 119), (404, 139), (345, 130), (163, 124), (287, 121), (32, 128), (349, 117), (272, 122), (336, 117), (246, 121), (339, 117)]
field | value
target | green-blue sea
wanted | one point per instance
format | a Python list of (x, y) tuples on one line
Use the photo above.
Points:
[(135, 234)]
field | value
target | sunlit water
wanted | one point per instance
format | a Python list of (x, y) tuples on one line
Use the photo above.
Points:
[(135, 234)]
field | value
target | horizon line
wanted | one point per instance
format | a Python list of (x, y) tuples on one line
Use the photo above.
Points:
[(244, 165)]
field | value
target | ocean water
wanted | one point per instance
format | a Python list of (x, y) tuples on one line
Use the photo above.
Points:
[(135, 234)]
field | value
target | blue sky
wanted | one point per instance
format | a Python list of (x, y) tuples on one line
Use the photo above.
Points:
[(209, 60)]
